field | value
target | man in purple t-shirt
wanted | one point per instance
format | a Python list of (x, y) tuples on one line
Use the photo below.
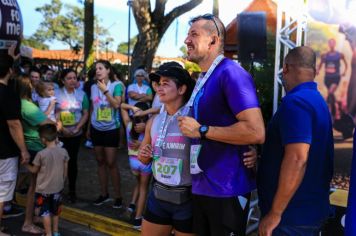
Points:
[(226, 117)]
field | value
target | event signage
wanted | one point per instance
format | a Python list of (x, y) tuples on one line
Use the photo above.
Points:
[(11, 26)]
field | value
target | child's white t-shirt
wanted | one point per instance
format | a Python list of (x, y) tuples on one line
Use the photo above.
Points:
[(43, 104)]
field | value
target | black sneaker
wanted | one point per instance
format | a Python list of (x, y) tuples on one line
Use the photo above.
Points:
[(118, 203), (131, 208), (137, 223), (101, 199), (13, 212)]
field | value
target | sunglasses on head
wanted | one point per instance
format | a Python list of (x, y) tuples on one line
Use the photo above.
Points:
[(210, 17)]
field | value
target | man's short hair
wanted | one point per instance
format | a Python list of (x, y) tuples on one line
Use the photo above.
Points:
[(215, 26), (48, 132), (303, 57), (6, 63), (35, 69)]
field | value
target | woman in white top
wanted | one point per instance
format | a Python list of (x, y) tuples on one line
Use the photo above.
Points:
[(139, 92), (104, 129), (72, 112)]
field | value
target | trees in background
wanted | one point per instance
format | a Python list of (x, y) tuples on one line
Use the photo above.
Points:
[(151, 27), (65, 23), (123, 47)]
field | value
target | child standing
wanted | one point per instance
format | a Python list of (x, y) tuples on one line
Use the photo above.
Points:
[(135, 131), (51, 166), (46, 99)]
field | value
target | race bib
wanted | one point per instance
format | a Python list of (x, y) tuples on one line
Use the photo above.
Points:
[(104, 114), (67, 118), (168, 170), (194, 154)]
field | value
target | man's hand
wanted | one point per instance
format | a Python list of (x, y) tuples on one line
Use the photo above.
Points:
[(268, 224), (189, 126), (25, 157)]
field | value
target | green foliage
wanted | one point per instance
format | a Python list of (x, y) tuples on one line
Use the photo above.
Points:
[(191, 67), (183, 49), (32, 42), (123, 47), (264, 80), (123, 69), (65, 23), (263, 76)]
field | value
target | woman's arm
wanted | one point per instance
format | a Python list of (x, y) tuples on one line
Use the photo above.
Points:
[(145, 151), (115, 99), (124, 114)]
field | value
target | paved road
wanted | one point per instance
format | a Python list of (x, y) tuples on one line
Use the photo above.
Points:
[(66, 228)]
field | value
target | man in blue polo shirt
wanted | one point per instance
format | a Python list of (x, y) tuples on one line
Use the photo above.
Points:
[(297, 161)]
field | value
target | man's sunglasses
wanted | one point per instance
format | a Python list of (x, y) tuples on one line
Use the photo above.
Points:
[(210, 17)]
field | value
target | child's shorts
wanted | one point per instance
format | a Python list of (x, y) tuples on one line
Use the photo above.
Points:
[(49, 204), (138, 168)]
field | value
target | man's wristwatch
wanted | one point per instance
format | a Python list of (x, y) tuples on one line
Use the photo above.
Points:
[(203, 129)]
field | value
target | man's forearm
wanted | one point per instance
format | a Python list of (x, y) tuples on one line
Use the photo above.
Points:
[(237, 134), (16, 132), (291, 175), (145, 98), (248, 130)]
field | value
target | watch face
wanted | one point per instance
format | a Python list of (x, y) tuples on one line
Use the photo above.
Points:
[(203, 128)]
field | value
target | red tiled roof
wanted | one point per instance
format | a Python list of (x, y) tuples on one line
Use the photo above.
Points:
[(71, 55)]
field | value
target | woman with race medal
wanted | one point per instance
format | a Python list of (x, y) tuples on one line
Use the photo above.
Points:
[(104, 129), (169, 203), (72, 112)]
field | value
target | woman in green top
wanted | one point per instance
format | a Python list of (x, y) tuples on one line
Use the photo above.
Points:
[(32, 118)]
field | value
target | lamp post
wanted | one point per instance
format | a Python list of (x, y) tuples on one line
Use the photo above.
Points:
[(129, 4)]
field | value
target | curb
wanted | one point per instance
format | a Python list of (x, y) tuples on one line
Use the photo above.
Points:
[(97, 222)]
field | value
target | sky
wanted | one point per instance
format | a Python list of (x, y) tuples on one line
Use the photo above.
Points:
[(114, 16)]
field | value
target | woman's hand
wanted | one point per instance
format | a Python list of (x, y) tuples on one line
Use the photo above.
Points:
[(135, 109), (75, 130), (66, 132), (250, 157), (145, 154), (101, 85), (11, 52), (135, 144)]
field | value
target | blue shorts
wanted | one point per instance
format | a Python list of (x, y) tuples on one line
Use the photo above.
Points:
[(165, 213), (138, 168), (287, 230)]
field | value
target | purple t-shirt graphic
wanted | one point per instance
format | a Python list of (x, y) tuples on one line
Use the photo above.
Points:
[(229, 91)]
